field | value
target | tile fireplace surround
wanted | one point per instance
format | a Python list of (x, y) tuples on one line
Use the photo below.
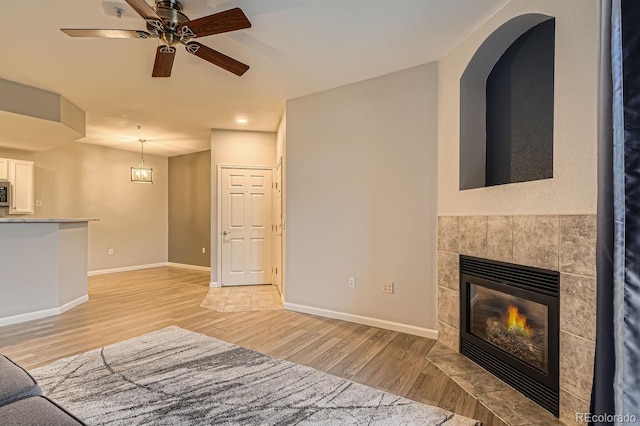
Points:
[(559, 243)]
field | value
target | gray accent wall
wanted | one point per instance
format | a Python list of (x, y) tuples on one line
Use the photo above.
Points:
[(361, 189), (190, 208)]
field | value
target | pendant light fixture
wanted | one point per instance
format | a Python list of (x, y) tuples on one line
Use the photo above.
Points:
[(141, 174)]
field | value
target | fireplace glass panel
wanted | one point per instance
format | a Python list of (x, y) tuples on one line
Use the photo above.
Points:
[(515, 325)]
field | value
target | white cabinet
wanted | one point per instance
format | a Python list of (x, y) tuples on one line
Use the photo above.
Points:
[(4, 169), (20, 175), (21, 178)]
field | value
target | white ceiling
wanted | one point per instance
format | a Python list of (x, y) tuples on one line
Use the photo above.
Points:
[(294, 48)]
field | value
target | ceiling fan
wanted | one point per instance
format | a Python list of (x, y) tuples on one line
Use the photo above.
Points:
[(166, 22)]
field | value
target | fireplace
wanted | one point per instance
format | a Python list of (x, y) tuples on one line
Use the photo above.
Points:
[(509, 324)]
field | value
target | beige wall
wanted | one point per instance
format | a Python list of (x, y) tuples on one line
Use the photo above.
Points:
[(81, 180), (573, 187), (281, 137), (361, 198), (190, 208), (16, 154), (237, 148)]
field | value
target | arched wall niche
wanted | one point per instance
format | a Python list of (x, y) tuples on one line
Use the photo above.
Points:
[(473, 97)]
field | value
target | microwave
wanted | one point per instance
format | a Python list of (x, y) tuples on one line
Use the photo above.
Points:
[(5, 192)]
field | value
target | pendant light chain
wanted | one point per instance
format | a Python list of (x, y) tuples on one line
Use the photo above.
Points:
[(142, 141)]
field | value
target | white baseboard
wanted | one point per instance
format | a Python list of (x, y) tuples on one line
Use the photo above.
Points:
[(70, 305), (15, 319), (184, 265), (214, 284), (126, 269), (149, 266), (374, 322)]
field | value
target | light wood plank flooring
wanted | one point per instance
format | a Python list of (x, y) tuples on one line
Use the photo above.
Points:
[(129, 304)]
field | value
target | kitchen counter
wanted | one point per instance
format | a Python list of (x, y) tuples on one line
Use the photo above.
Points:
[(44, 267), (44, 220)]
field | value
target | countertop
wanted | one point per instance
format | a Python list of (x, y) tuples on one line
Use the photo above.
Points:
[(45, 220)]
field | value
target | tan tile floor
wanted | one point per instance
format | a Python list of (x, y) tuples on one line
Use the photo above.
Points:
[(504, 402), (243, 298)]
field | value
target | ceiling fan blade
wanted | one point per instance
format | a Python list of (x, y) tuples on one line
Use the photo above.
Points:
[(216, 58), (78, 32), (230, 20), (164, 61), (144, 10)]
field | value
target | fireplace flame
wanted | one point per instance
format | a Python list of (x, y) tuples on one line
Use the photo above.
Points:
[(517, 323)]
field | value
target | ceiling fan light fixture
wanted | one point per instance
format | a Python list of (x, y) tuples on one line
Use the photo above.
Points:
[(165, 21)]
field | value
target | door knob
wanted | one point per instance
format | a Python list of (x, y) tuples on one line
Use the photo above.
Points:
[(225, 232)]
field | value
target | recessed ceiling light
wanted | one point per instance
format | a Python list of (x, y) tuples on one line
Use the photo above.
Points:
[(242, 120)]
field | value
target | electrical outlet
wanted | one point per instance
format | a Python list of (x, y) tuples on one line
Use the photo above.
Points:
[(204, 250), (38, 203), (387, 287), (352, 282), (110, 251)]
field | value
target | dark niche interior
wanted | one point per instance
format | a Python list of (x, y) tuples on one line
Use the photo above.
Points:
[(520, 110), (506, 105)]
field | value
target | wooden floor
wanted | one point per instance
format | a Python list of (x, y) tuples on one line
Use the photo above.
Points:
[(129, 304)]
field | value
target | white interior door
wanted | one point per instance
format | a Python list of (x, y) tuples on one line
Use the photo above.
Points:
[(277, 234), (245, 219)]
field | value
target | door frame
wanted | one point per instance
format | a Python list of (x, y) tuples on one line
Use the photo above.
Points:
[(274, 228), (219, 211)]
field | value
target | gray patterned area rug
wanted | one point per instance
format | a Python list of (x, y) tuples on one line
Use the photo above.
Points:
[(178, 377)]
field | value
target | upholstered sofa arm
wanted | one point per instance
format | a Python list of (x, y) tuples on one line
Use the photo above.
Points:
[(36, 411), (15, 382), (22, 403)]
